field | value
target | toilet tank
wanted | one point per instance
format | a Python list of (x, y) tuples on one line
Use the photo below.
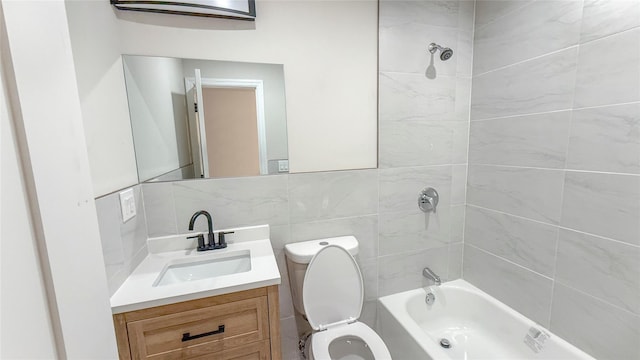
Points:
[(300, 254)]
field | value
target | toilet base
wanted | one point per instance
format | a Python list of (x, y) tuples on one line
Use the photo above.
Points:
[(304, 344)]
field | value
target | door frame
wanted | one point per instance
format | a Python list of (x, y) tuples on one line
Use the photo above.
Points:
[(258, 86)]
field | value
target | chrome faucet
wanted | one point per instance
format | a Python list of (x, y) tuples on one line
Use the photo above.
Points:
[(211, 240), (429, 274)]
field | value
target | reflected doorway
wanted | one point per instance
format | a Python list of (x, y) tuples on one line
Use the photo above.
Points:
[(230, 131), (228, 122)]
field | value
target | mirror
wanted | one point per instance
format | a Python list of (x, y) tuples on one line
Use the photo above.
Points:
[(205, 118)]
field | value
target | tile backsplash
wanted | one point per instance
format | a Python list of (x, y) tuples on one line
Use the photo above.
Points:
[(124, 245)]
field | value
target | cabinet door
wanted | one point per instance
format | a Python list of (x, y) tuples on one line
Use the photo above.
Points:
[(194, 333)]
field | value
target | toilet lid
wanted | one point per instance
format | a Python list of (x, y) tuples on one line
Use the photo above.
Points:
[(333, 292)]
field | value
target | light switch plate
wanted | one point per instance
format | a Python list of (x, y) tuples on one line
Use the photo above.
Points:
[(127, 204), (283, 165)]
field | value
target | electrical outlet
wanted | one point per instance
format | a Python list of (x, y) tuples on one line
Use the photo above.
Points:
[(127, 205), (283, 165)]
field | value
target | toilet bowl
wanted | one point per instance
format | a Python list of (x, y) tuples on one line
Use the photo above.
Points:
[(332, 295)]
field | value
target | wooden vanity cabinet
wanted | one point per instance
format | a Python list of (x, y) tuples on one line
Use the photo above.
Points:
[(242, 325)]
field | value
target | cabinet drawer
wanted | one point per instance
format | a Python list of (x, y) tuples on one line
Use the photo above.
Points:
[(254, 351), (191, 334)]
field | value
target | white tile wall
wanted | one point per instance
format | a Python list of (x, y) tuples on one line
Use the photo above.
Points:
[(553, 185), (606, 139), (488, 11), (124, 245), (612, 76), (528, 192), (604, 331), (538, 140), (603, 268), (527, 243), (537, 85), (536, 29), (602, 18), (500, 278)]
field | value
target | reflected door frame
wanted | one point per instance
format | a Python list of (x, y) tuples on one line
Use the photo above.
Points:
[(258, 86)]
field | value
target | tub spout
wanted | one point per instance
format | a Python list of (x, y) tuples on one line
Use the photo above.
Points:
[(429, 274)]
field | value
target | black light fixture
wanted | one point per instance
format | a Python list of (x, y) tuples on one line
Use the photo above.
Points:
[(228, 9)]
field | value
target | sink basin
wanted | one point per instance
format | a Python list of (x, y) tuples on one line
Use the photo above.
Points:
[(204, 268)]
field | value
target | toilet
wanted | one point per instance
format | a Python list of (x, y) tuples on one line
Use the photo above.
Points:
[(327, 287)]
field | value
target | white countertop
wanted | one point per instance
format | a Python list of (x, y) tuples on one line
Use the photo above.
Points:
[(138, 292)]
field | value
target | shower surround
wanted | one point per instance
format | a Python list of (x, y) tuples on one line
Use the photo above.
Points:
[(553, 196)]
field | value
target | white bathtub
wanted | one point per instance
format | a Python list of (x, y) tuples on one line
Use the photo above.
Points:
[(477, 326)]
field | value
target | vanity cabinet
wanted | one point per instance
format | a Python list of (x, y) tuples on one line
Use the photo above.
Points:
[(241, 325)]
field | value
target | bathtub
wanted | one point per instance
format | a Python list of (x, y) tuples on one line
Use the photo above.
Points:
[(476, 325)]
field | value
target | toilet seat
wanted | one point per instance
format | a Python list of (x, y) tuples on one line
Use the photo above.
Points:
[(320, 341), (333, 290), (333, 295)]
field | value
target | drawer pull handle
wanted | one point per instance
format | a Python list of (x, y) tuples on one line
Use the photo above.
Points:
[(187, 336)]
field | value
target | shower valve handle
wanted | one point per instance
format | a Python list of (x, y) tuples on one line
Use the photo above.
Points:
[(428, 200)]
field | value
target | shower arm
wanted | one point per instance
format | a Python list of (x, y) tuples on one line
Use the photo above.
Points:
[(433, 47)]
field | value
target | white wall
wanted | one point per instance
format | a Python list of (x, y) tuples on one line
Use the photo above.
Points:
[(24, 307), (274, 95), (58, 177), (328, 49), (329, 52), (155, 89), (98, 64)]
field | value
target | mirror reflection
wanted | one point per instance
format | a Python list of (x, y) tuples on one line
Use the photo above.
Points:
[(206, 118)]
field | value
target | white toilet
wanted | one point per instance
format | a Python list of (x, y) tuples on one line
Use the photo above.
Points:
[(327, 287)]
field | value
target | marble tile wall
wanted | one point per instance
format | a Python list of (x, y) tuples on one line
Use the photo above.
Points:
[(124, 244), (553, 206)]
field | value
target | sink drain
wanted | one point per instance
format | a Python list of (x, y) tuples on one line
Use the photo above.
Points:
[(445, 343)]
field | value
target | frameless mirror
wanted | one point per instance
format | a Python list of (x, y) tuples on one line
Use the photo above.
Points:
[(205, 118)]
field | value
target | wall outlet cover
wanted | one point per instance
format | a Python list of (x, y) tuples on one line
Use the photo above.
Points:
[(127, 204), (283, 165)]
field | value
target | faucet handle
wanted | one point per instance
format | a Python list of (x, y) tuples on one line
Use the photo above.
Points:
[(222, 243), (428, 200), (200, 237)]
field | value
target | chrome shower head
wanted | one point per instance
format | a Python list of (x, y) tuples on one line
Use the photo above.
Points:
[(445, 53)]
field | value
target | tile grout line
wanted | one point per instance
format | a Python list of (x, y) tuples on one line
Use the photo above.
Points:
[(511, 262), (553, 281), (579, 43), (564, 177), (503, 15), (617, 307), (466, 178), (557, 169), (538, 57), (421, 75), (611, 35), (415, 251), (595, 107), (554, 225)]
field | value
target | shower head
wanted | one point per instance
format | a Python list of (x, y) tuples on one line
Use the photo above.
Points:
[(445, 53)]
